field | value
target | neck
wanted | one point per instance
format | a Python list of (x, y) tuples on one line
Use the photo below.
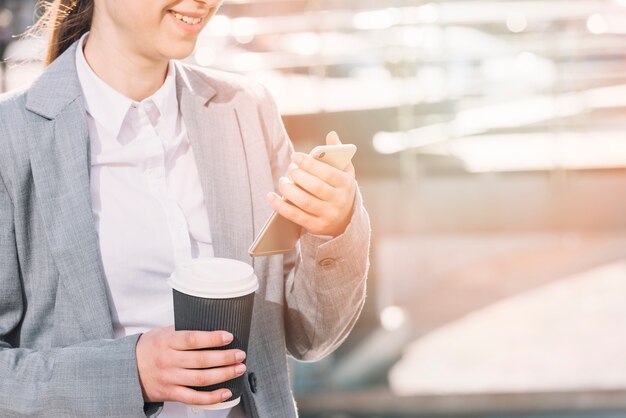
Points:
[(113, 60)]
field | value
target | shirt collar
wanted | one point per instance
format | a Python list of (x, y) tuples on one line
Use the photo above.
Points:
[(108, 106)]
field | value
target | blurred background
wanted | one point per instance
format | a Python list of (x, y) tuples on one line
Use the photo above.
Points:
[(492, 161)]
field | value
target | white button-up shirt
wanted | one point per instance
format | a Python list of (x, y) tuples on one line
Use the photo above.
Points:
[(147, 203)]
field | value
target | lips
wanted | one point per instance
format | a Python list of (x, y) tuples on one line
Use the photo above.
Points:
[(197, 14), (187, 24), (189, 18)]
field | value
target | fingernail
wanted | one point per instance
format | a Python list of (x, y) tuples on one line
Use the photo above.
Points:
[(293, 166), (270, 196), (240, 368), (284, 180), (227, 337), (240, 355), (227, 395)]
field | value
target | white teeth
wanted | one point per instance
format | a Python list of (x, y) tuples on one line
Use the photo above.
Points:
[(187, 19)]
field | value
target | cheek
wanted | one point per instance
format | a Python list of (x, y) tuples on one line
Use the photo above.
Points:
[(134, 17), (152, 33)]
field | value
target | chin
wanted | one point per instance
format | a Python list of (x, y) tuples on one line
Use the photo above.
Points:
[(178, 50)]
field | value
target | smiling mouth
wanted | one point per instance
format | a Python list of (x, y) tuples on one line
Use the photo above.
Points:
[(187, 19)]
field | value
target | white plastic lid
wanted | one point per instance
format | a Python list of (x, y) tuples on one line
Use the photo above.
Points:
[(215, 278)]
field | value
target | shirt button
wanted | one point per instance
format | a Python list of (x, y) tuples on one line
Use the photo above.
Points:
[(327, 262)]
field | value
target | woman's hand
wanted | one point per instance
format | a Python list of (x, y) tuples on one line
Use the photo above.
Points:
[(167, 364), (320, 197)]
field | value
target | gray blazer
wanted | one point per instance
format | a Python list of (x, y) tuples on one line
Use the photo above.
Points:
[(58, 357)]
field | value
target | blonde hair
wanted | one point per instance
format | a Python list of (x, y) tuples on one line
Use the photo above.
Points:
[(62, 23)]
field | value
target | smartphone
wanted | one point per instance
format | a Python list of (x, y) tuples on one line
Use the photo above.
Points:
[(280, 235)]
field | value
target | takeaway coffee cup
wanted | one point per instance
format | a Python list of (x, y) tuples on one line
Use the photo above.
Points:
[(216, 294)]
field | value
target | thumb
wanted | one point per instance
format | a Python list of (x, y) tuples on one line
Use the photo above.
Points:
[(332, 138)]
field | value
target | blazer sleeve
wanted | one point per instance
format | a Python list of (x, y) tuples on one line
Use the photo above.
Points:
[(95, 378), (325, 279)]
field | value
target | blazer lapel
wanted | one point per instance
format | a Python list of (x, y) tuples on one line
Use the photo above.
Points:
[(60, 165), (215, 136)]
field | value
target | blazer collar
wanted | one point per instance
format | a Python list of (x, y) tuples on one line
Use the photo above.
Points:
[(193, 84)]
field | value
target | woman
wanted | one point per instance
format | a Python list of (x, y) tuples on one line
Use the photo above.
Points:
[(117, 163)]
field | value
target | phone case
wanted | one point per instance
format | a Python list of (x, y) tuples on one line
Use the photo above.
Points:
[(280, 235)]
